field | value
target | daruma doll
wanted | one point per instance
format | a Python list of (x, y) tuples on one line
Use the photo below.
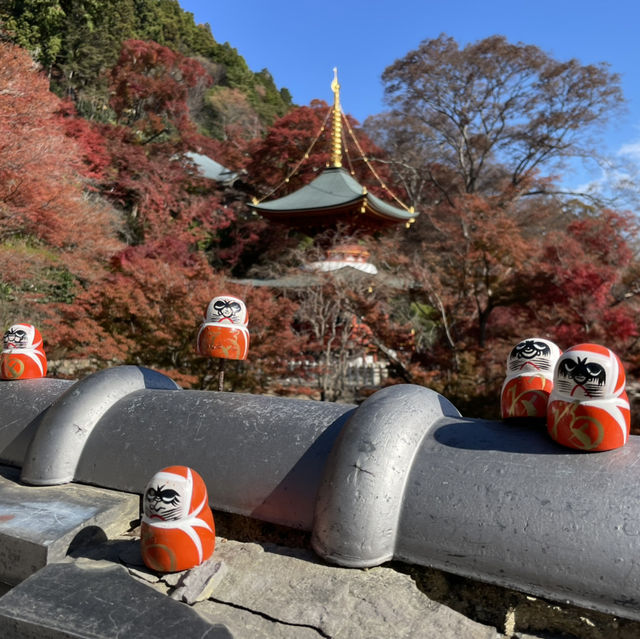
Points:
[(589, 408), (527, 386), (22, 354), (224, 332), (177, 530)]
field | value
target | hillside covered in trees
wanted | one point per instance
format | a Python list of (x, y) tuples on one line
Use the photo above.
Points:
[(78, 43), (113, 243)]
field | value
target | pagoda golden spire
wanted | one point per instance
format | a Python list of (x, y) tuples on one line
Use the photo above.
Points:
[(336, 138)]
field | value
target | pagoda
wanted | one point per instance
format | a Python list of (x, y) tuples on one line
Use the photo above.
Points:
[(334, 197)]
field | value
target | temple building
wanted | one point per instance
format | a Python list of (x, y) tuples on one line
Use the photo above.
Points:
[(345, 256), (212, 170), (334, 197), (352, 360)]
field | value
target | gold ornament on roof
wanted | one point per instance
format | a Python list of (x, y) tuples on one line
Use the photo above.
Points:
[(336, 155), (339, 147)]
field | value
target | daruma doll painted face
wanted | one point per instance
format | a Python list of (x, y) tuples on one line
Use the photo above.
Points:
[(224, 332), (589, 408), (529, 380), (22, 354), (226, 309), (177, 530)]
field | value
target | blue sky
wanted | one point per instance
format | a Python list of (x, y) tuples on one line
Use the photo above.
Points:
[(300, 42)]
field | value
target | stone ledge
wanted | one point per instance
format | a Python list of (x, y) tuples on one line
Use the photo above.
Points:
[(513, 614), (292, 593), (271, 591), (39, 525), (98, 600)]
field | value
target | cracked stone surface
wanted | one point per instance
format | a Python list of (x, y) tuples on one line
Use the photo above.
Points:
[(245, 624), (100, 600), (272, 591), (280, 591)]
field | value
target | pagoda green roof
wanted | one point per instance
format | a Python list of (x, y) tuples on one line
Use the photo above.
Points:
[(333, 194)]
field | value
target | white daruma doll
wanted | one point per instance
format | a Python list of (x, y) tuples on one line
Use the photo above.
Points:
[(589, 407), (22, 354), (177, 530), (224, 332), (527, 386)]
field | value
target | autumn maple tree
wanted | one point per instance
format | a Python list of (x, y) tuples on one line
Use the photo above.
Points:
[(147, 307), (147, 304), (469, 135), (55, 239), (150, 85), (487, 279), (581, 281)]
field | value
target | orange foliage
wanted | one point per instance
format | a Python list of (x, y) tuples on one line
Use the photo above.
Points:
[(51, 234)]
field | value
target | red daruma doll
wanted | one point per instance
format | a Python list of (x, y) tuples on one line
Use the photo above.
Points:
[(177, 530), (22, 353), (589, 407), (527, 386), (224, 332)]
